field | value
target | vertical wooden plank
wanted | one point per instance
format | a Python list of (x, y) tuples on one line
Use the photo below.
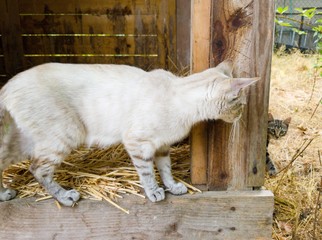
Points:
[(200, 37), (263, 36), (237, 35), (183, 33), (11, 36), (166, 30), (231, 27)]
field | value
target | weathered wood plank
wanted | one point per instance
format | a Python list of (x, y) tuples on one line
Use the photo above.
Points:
[(87, 24), (146, 63), (237, 35), (11, 37), (1, 48), (259, 96), (166, 28), (2, 66), (232, 27), (88, 45), (211, 215), (200, 40), (95, 7), (183, 14)]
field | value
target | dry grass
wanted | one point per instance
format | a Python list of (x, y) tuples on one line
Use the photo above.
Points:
[(296, 91)]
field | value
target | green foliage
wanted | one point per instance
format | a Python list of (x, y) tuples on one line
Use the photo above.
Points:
[(308, 14), (281, 10)]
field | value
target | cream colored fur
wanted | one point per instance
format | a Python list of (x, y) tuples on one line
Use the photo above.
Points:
[(53, 108)]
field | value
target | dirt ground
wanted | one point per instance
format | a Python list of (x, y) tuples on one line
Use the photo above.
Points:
[(296, 91)]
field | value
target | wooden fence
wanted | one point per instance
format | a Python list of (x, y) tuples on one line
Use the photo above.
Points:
[(140, 33)]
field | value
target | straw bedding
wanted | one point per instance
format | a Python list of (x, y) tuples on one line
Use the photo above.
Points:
[(98, 174)]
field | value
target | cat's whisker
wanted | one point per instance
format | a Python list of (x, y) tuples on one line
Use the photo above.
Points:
[(234, 132)]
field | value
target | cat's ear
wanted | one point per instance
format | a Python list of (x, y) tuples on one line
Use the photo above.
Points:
[(226, 67), (241, 83), (270, 117), (287, 121)]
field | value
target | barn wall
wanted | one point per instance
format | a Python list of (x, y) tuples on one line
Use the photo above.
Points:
[(140, 33)]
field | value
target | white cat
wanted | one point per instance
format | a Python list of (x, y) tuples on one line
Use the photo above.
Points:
[(53, 108)]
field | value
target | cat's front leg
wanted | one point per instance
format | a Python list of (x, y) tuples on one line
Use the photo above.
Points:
[(142, 155), (144, 167), (163, 162)]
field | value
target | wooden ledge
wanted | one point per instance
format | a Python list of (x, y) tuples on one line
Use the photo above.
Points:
[(209, 215)]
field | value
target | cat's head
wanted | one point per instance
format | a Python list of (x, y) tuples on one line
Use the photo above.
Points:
[(277, 128), (231, 99)]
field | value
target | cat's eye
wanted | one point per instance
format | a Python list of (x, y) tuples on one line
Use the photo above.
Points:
[(234, 99)]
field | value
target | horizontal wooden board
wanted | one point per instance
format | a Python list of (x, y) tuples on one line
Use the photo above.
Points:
[(88, 24), (146, 63), (1, 48), (2, 66), (210, 215), (3, 75), (95, 7), (91, 45)]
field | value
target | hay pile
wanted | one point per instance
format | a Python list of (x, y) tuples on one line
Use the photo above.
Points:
[(98, 174), (296, 91)]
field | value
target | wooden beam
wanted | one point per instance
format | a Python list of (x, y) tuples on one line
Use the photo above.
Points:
[(263, 35), (210, 215), (11, 37), (183, 13), (242, 32), (200, 43)]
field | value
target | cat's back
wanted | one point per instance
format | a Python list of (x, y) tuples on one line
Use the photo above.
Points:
[(67, 78)]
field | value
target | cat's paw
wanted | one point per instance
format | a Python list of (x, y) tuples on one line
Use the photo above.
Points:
[(7, 194), (272, 172), (178, 189), (69, 198), (156, 195)]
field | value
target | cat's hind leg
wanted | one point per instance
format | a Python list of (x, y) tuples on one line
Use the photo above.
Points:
[(10, 152), (6, 193), (43, 170), (163, 162)]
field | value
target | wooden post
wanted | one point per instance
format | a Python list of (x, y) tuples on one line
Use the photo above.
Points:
[(200, 50), (243, 32), (11, 37)]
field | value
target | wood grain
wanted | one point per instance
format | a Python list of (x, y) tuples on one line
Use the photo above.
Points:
[(11, 37), (259, 96), (241, 32), (88, 24), (200, 40), (93, 7), (183, 13), (140, 33), (211, 215)]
